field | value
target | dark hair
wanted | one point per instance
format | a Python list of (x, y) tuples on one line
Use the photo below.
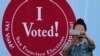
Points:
[(81, 22)]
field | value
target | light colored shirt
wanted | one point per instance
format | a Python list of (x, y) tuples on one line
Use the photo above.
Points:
[(82, 49)]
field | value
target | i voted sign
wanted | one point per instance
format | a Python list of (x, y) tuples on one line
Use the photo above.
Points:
[(37, 27)]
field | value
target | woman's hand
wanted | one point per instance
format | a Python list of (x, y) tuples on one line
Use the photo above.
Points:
[(90, 41), (84, 35), (75, 40)]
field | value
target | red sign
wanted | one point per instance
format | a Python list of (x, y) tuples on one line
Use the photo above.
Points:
[(37, 27)]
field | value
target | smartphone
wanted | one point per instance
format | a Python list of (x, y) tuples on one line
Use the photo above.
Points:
[(74, 32)]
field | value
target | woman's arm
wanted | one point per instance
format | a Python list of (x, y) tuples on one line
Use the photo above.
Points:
[(67, 48), (69, 45), (90, 42)]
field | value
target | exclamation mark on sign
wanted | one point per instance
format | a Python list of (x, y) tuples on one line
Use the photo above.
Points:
[(56, 28)]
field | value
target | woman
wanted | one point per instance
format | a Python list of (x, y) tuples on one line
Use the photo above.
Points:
[(80, 45)]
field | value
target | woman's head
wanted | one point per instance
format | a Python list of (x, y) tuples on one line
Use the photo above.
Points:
[(80, 25)]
